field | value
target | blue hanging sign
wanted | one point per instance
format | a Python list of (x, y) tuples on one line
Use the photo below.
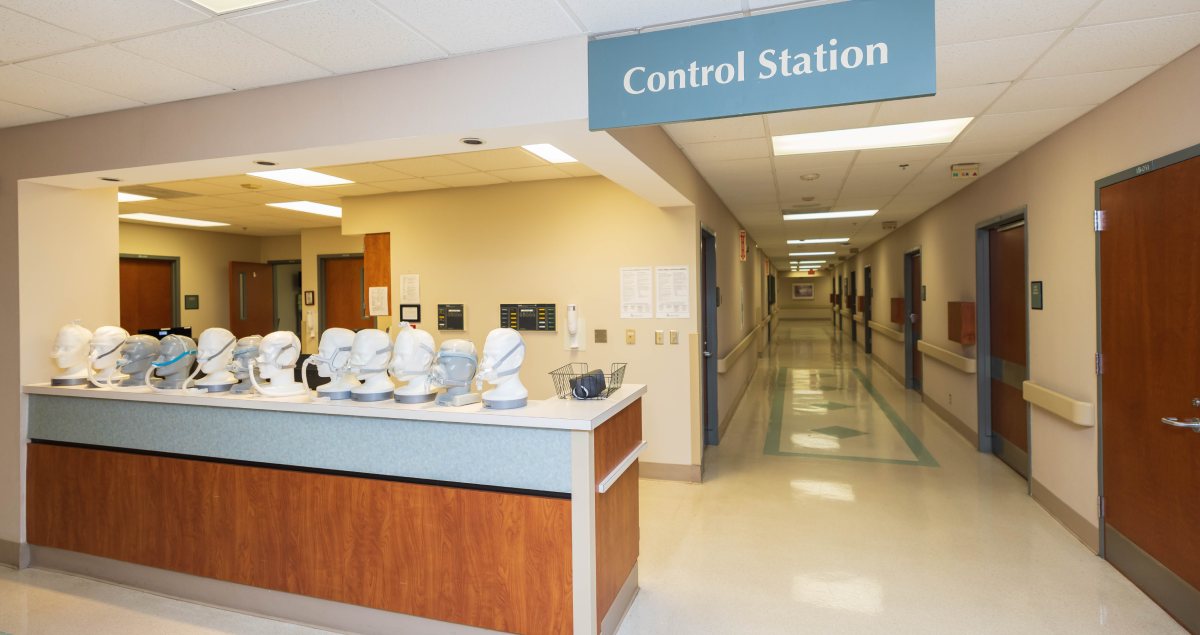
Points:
[(845, 53)]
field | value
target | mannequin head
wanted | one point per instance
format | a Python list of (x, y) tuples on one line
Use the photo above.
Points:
[(70, 350), (175, 353), (247, 350), (105, 346), (503, 354), (215, 350), (413, 353), (333, 354), (277, 355), (456, 364), (370, 352), (137, 354)]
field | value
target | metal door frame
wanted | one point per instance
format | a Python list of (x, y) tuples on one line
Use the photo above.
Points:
[(867, 293), (176, 299), (321, 258), (853, 305), (910, 341), (275, 294), (710, 419)]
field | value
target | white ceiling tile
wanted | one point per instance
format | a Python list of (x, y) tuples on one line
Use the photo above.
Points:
[(949, 103), (577, 169), (18, 115), (971, 20), (467, 180), (361, 172), (879, 179), (717, 129), (736, 168), (1013, 132), (122, 73), (464, 26), (913, 155), (543, 173), (502, 159), (111, 20), (409, 185), (992, 61), (1073, 90), (426, 166), (602, 16), (199, 188), (222, 53), (866, 202), (1122, 45), (1124, 10), (820, 119), (24, 37), (727, 150), (245, 182), (27, 88), (345, 36), (824, 164)]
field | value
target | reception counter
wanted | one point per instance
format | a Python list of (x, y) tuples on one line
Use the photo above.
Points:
[(419, 518)]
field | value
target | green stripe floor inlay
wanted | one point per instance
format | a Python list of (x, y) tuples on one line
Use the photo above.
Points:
[(807, 383)]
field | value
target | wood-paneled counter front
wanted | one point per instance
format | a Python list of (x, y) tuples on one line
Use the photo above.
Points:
[(482, 551)]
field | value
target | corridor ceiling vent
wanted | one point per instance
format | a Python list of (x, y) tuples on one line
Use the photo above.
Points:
[(229, 6), (830, 215), (309, 207), (818, 241), (171, 220), (301, 177), (874, 138), (550, 153)]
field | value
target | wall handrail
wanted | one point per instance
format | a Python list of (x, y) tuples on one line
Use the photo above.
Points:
[(858, 318), (1080, 413), (608, 481), (949, 358), (886, 331), (724, 363)]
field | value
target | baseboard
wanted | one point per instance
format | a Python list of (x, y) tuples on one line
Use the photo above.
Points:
[(1178, 598), (245, 599), (888, 369), (955, 423), (1082, 528), (14, 554), (724, 424), (669, 472), (620, 606)]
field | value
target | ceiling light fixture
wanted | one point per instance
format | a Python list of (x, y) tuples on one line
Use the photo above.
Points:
[(310, 207), (812, 262), (896, 136), (266, 163), (228, 6), (817, 241), (796, 254), (828, 215), (550, 153), (126, 197), (171, 220), (302, 177)]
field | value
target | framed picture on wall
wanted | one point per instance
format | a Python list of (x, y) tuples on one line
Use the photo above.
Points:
[(310, 298), (803, 291)]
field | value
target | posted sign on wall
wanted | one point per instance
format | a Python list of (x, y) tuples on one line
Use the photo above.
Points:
[(850, 52)]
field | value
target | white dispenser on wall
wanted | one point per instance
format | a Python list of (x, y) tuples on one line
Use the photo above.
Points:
[(574, 338)]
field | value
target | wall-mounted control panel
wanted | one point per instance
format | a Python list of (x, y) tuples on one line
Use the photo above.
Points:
[(528, 317), (451, 317)]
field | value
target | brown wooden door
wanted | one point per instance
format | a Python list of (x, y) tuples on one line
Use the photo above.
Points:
[(147, 294), (1149, 308), (915, 293), (1009, 367), (344, 295), (251, 299)]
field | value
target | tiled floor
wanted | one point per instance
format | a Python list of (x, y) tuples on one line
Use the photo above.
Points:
[(837, 503)]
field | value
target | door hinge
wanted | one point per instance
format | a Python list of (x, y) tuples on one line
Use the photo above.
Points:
[(1099, 363), (1100, 507), (1099, 220)]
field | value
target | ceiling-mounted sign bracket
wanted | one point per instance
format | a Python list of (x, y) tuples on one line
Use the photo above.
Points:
[(843, 53)]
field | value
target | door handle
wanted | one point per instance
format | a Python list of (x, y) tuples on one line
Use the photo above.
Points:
[(707, 354), (1192, 424), (914, 318)]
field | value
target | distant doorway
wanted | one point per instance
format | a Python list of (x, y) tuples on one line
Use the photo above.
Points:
[(149, 292), (913, 299), (708, 336), (251, 299), (287, 285), (342, 287), (867, 294), (853, 306)]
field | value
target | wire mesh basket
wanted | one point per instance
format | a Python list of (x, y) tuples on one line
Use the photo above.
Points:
[(572, 381)]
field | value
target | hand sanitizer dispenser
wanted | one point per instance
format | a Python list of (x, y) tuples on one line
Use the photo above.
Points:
[(574, 339)]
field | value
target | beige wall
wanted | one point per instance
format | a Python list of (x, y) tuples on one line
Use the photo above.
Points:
[(314, 243), (1055, 180), (560, 242), (279, 248), (816, 309)]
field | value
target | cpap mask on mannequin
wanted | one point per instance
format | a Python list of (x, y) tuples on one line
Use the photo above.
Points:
[(70, 353), (214, 355), (454, 370), (102, 360), (246, 351), (276, 363), (333, 361), (503, 354), (369, 357), (137, 354), (412, 358), (174, 364)]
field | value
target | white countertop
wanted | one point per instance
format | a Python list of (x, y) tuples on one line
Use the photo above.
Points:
[(556, 414)]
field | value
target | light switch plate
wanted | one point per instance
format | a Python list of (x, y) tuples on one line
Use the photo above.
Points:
[(674, 337), (630, 336), (658, 338)]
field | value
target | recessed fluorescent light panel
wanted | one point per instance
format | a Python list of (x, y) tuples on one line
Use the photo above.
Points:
[(171, 220), (550, 153), (878, 137), (227, 6), (817, 241), (310, 208), (829, 215), (815, 263), (798, 254), (300, 176), (126, 197)]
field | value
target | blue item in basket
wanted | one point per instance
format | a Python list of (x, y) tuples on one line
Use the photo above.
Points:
[(588, 386)]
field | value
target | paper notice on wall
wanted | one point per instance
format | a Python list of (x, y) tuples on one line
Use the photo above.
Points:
[(410, 288), (674, 293), (377, 301), (636, 293)]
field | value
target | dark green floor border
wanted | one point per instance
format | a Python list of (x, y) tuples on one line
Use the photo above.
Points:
[(774, 427)]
